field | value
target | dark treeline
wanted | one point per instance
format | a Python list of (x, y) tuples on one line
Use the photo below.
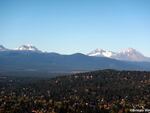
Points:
[(106, 91)]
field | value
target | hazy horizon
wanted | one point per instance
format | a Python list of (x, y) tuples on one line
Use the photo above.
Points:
[(68, 27)]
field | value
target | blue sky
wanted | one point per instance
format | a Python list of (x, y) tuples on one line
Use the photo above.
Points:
[(69, 26)]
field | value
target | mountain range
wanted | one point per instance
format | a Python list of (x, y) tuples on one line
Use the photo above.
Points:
[(29, 58), (128, 54)]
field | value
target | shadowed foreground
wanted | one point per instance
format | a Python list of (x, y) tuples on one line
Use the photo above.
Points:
[(106, 91)]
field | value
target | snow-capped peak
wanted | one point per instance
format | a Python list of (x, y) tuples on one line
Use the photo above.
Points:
[(2, 48), (129, 50), (128, 54), (28, 47), (102, 53)]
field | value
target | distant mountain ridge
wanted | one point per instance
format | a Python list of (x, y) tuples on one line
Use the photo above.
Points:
[(128, 54), (30, 59)]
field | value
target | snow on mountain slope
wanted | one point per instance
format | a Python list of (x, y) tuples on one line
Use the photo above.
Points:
[(28, 48), (128, 54), (102, 53)]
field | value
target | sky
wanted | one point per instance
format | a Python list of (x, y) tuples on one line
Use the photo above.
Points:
[(70, 26)]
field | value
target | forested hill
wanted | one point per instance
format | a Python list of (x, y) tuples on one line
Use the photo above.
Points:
[(106, 91)]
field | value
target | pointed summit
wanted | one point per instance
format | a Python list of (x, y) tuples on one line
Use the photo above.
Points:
[(131, 55)]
